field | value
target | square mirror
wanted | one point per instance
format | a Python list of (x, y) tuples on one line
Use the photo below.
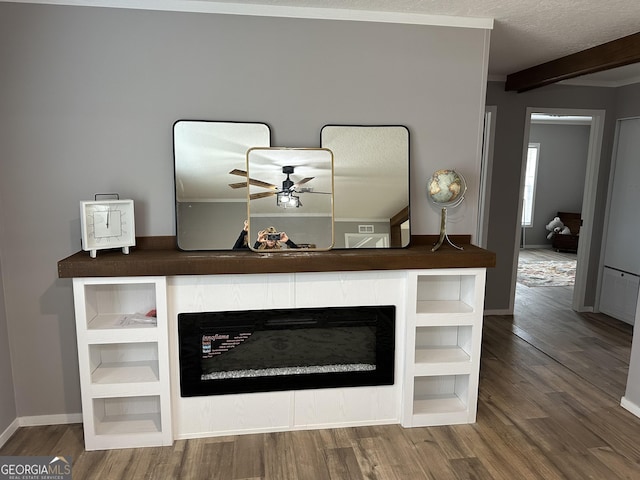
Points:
[(290, 199)]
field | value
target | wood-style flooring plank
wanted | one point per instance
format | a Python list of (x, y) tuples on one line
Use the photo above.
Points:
[(430, 455), (308, 456), (343, 464), (279, 457), (465, 468), (248, 457)]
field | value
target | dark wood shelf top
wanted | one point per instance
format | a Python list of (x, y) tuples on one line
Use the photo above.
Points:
[(158, 256)]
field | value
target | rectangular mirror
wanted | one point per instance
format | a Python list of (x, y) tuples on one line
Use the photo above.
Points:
[(290, 199), (371, 185), (210, 180)]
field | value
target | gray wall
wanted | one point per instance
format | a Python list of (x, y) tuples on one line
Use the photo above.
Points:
[(89, 97), (628, 101), (221, 222), (507, 160), (562, 167)]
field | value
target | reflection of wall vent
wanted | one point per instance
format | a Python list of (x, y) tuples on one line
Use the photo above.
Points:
[(365, 228)]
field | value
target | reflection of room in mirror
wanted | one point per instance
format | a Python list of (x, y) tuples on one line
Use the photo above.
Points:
[(303, 175), (371, 181), (366, 240), (211, 202)]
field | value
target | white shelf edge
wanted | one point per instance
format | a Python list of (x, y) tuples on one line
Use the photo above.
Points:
[(438, 404), (433, 355), (124, 390), (441, 361), (440, 419), (442, 369), (442, 306), (137, 440), (140, 371), (130, 335), (112, 321), (446, 320), (129, 424)]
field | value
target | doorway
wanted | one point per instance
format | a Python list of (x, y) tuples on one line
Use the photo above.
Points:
[(587, 207)]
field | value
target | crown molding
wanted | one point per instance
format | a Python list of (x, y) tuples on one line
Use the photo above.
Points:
[(223, 8)]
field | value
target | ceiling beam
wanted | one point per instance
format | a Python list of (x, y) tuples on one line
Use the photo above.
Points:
[(617, 53)]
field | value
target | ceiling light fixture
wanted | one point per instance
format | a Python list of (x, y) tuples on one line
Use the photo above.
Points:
[(287, 200)]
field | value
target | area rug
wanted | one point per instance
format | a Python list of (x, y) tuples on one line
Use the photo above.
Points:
[(547, 273)]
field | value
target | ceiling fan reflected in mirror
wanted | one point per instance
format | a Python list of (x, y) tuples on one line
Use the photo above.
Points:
[(285, 196)]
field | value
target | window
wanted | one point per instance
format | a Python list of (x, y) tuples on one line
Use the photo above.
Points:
[(530, 174)]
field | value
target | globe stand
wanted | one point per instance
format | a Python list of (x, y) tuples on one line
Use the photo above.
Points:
[(443, 233), (446, 189)]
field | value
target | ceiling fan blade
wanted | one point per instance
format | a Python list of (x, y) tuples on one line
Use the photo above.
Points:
[(252, 181), (260, 183), (303, 181), (235, 171), (255, 196)]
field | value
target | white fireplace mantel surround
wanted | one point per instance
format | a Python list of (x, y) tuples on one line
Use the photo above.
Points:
[(437, 348)]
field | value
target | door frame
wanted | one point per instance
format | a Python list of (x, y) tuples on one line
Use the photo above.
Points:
[(486, 170), (596, 134)]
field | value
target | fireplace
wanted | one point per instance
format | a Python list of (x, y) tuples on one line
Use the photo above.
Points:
[(285, 349)]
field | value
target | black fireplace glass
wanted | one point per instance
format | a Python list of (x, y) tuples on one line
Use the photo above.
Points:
[(285, 349)]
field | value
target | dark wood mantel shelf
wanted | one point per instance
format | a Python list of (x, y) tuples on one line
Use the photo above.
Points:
[(159, 256)]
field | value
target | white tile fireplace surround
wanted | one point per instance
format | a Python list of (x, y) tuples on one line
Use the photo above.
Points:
[(276, 411), (130, 372)]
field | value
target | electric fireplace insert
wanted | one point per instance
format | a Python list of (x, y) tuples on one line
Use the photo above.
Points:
[(285, 349)]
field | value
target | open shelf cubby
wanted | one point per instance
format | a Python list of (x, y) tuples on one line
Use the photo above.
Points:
[(127, 415), (445, 293), (119, 305), (441, 393), (447, 346), (443, 346), (124, 363)]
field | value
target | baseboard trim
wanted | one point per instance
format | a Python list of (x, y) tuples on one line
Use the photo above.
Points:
[(9, 431), (631, 406), (40, 420)]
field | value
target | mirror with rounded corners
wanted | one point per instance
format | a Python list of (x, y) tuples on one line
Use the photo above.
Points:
[(371, 182), (210, 160), (290, 199), (371, 177)]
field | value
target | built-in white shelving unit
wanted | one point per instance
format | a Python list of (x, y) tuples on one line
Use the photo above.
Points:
[(444, 333), (123, 354), (130, 380)]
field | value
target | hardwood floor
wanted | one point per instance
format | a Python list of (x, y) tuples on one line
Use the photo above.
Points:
[(594, 346), (549, 408)]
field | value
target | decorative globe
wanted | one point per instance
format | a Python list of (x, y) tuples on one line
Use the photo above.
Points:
[(446, 188)]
